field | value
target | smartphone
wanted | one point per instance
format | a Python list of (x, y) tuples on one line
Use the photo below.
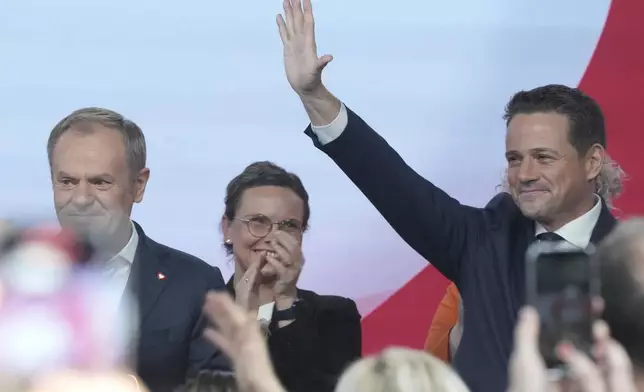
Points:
[(562, 284)]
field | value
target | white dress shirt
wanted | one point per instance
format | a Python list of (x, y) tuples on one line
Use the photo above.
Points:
[(265, 312), (328, 133), (120, 265), (577, 232)]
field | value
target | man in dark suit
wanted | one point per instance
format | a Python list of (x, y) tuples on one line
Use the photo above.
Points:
[(97, 160), (556, 173)]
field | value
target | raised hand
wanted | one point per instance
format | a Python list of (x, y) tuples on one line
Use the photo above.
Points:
[(303, 66), (612, 371), (237, 333), (527, 368)]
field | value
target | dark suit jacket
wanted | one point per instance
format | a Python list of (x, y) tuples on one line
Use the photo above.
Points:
[(482, 250), (170, 346), (310, 354)]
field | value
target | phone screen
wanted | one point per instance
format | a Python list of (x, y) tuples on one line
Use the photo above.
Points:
[(564, 295)]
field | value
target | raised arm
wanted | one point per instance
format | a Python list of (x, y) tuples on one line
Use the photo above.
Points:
[(434, 224)]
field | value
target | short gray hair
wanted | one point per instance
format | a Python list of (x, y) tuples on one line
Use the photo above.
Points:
[(620, 246), (135, 149), (621, 258)]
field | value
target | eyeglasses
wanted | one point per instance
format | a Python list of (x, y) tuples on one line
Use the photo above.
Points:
[(260, 226)]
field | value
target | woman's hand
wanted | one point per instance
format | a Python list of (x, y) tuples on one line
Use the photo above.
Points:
[(287, 261), (247, 287)]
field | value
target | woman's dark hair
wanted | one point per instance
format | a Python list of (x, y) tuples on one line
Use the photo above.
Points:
[(258, 174)]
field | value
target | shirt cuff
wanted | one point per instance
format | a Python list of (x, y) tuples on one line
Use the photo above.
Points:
[(328, 133)]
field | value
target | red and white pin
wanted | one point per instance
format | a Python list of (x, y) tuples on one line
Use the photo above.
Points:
[(160, 276)]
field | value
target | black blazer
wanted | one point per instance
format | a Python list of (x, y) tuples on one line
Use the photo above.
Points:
[(170, 343), (310, 354), (482, 250)]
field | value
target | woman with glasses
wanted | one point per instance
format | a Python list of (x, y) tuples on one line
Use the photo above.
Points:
[(311, 338)]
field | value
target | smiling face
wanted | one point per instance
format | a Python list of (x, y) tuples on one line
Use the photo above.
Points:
[(93, 187), (261, 211), (548, 179)]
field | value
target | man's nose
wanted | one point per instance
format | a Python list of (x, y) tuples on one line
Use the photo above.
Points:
[(528, 171), (83, 195)]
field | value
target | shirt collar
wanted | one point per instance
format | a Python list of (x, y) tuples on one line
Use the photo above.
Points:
[(578, 231), (129, 250)]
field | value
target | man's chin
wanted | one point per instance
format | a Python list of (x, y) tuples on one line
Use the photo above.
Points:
[(531, 211)]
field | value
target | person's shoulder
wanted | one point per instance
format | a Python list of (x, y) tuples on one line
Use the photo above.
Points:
[(330, 304), (502, 201), (502, 210)]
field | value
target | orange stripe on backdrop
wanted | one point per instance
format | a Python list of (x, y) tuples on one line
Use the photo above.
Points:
[(615, 78), (404, 318)]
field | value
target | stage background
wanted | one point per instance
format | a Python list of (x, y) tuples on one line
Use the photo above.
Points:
[(205, 82)]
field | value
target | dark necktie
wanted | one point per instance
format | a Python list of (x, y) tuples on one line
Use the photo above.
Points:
[(550, 237)]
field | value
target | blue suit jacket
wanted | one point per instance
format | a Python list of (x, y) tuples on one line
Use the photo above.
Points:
[(482, 250), (170, 344)]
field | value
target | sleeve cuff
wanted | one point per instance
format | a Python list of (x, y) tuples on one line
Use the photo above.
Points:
[(328, 133)]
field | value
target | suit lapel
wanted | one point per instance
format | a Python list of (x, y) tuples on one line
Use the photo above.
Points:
[(148, 276), (605, 225), (520, 240)]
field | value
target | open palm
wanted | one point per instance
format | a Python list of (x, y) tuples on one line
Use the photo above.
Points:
[(297, 31), (237, 333)]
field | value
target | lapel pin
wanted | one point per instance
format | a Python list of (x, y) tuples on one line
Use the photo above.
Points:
[(160, 276)]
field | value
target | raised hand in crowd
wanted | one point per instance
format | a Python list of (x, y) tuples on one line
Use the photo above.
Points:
[(611, 372), (237, 333)]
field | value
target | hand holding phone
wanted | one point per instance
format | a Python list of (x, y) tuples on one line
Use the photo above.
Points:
[(562, 284)]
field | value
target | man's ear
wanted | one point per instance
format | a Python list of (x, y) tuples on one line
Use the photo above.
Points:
[(140, 183), (594, 161)]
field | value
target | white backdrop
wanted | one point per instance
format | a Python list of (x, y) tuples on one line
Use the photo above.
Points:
[(205, 81)]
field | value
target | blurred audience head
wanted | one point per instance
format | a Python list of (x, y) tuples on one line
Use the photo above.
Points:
[(621, 256), (555, 149), (211, 381), (262, 199), (97, 161), (400, 370), (75, 381)]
